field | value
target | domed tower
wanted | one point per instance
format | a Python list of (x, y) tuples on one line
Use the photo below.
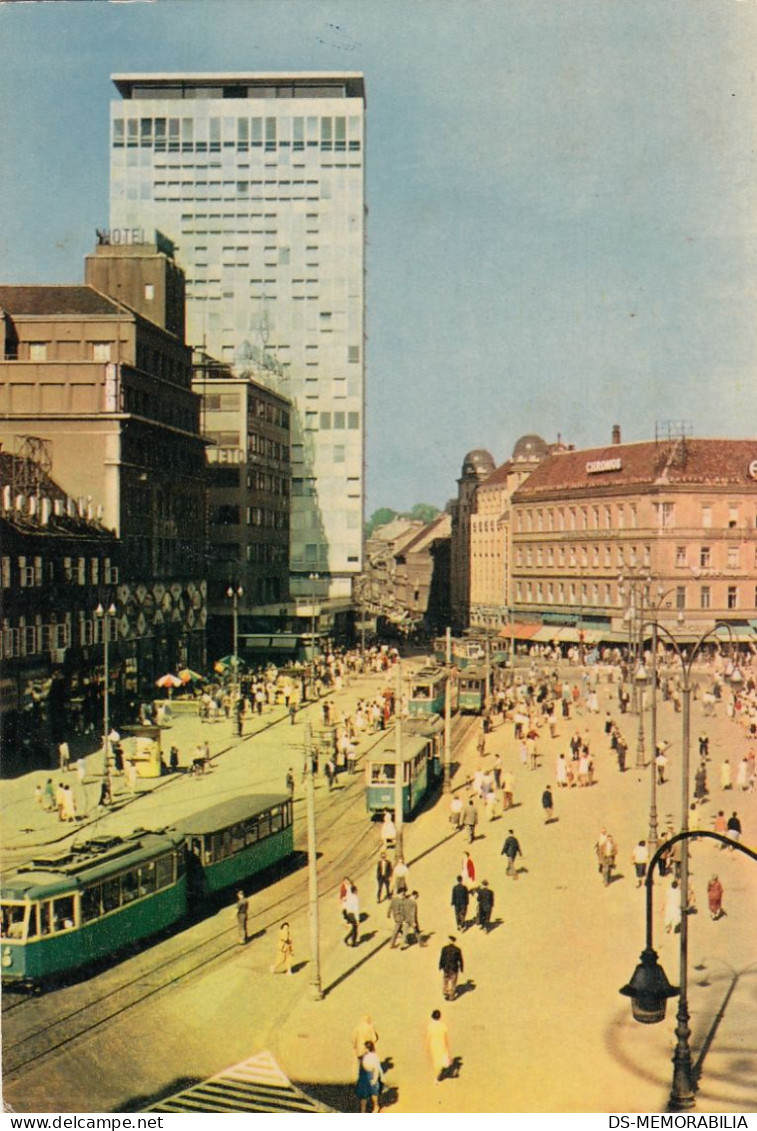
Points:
[(477, 467), (530, 449)]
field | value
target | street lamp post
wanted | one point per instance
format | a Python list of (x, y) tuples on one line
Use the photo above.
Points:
[(106, 616), (649, 987), (684, 1087), (235, 592)]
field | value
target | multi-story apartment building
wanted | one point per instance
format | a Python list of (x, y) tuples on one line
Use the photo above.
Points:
[(259, 180), (57, 564), (489, 553), (247, 426), (478, 465), (110, 394), (669, 522)]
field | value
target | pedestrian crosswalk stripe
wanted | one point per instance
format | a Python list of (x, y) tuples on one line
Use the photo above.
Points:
[(256, 1084)]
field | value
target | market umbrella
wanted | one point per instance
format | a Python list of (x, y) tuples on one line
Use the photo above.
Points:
[(186, 675), (168, 680), (226, 663)]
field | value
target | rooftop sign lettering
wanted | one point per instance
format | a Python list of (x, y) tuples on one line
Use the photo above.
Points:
[(595, 466)]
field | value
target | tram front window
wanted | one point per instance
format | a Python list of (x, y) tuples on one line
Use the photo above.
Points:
[(422, 692), (13, 921)]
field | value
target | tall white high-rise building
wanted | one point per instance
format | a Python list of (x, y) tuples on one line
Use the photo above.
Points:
[(259, 181)]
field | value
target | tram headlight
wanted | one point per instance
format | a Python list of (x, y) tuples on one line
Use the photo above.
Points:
[(7, 959)]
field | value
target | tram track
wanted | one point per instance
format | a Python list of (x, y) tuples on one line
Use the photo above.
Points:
[(164, 971)]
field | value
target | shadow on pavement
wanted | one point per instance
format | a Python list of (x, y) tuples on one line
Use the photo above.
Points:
[(346, 974), (143, 1102)]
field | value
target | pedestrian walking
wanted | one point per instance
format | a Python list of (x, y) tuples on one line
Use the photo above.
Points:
[(396, 912), (547, 805), (661, 763), (607, 853), (437, 1043), (329, 770), (383, 877), (284, 951), (673, 907), (81, 769), (485, 897), (370, 1079), (470, 819), (640, 859), (715, 898), (364, 1032), (468, 869), (64, 756), (290, 782), (733, 828), (410, 926), (242, 910), (512, 850), (48, 795), (173, 760), (352, 915), (69, 804), (451, 965), (459, 901), (456, 813), (401, 876), (388, 831)]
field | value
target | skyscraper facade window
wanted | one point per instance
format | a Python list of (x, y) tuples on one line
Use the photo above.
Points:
[(259, 181)]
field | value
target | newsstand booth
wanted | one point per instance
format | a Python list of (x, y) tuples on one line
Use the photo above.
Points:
[(144, 750)]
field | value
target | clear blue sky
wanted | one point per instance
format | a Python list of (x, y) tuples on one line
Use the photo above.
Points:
[(562, 194)]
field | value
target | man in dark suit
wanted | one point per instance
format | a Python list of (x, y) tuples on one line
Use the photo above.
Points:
[(383, 877), (485, 905), (460, 898), (451, 966)]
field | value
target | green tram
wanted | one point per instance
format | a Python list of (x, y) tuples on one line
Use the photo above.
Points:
[(421, 767), (63, 911), (234, 840), (427, 689), (60, 913), (471, 690)]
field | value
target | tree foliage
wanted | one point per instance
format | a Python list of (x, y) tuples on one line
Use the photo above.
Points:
[(421, 512)]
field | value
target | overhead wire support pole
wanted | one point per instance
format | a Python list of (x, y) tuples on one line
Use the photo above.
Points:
[(316, 992), (446, 782), (399, 766)]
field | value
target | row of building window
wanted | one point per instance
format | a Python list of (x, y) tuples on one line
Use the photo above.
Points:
[(702, 557), (325, 421), (268, 411), (228, 514), (614, 516), (38, 638), (602, 596), (38, 571), (209, 135)]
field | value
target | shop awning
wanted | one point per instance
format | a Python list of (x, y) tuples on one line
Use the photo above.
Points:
[(519, 631)]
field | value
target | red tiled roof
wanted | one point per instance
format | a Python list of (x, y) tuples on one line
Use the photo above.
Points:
[(650, 463), (52, 300)]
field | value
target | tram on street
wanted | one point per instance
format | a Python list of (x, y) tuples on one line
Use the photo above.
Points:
[(472, 690), (60, 912), (235, 840), (421, 768), (63, 911), (426, 694)]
